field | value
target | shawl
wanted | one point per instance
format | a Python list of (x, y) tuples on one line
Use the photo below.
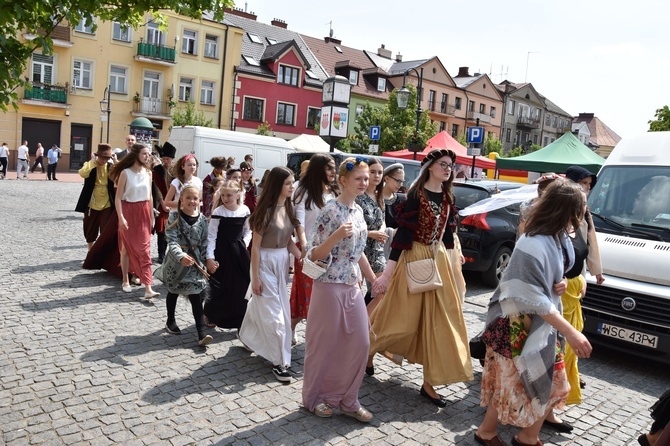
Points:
[(527, 288)]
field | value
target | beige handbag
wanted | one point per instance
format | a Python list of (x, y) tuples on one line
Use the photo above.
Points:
[(422, 275)]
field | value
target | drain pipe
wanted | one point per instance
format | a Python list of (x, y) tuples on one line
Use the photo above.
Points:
[(223, 75)]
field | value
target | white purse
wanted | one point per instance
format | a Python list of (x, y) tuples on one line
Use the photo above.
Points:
[(315, 269)]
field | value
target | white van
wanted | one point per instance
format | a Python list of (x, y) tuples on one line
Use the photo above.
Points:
[(206, 143), (630, 204)]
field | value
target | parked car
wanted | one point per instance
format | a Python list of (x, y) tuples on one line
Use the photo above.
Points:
[(487, 239)]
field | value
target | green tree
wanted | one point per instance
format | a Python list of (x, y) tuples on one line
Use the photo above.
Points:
[(360, 141), (39, 18), (264, 129), (492, 144), (662, 122), (462, 139), (399, 126), (190, 116)]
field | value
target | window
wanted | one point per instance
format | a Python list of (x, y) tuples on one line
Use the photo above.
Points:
[(482, 109), (443, 125), (457, 103), (359, 110), (251, 61), (83, 27), (151, 86), (271, 41), (353, 77), (185, 89), (508, 135), (285, 113), (443, 104), (154, 35), (471, 106), (189, 43), (288, 75), (517, 138), (118, 79), (43, 69), (211, 46), (381, 84), (253, 109), (120, 32), (555, 121), (547, 121), (81, 74), (535, 139), (454, 130), (254, 38), (313, 116), (207, 93), (546, 140), (510, 107), (431, 99), (492, 113)]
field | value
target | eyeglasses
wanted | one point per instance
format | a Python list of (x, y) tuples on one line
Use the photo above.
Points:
[(445, 166), (400, 182)]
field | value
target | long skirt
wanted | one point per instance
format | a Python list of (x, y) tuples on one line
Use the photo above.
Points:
[(301, 291), (266, 328), (572, 312), (137, 239), (502, 387), (426, 328), (337, 346), (457, 269)]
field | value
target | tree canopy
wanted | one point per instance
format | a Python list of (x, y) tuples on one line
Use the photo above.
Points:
[(37, 19), (662, 122)]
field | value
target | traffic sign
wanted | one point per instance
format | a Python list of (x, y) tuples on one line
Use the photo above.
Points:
[(475, 135), (474, 151), (373, 148), (375, 132)]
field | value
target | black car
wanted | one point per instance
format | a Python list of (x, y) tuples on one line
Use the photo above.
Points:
[(487, 239)]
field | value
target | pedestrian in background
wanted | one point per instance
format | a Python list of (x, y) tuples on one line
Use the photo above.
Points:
[(218, 164), (394, 178), (337, 338), (317, 186), (23, 161), (4, 160), (134, 208), (249, 184), (39, 155), (184, 171), (52, 158), (184, 263), (266, 328), (162, 177), (130, 142), (96, 200), (228, 259)]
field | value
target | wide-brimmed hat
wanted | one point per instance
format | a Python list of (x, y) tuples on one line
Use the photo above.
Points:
[(105, 150), (437, 154)]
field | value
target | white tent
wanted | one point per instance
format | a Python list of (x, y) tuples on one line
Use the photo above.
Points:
[(309, 143)]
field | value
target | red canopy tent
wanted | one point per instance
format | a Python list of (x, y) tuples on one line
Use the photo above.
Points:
[(444, 141)]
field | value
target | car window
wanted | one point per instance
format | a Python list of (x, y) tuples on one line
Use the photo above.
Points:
[(465, 196)]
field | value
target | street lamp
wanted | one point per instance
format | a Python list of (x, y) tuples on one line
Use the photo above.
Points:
[(104, 106), (336, 96), (402, 96)]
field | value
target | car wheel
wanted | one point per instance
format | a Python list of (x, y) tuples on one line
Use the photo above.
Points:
[(493, 275)]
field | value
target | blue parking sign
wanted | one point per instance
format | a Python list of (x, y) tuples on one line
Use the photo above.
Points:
[(375, 132), (475, 135)]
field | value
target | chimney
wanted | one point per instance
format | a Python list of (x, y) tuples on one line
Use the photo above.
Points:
[(279, 23), (241, 13), (398, 57), (383, 52), (332, 40), (463, 72)]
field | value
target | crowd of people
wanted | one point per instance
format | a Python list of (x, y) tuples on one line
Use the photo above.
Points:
[(226, 244)]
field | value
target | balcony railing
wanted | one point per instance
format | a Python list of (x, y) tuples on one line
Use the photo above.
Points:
[(46, 92), (528, 122), (153, 51), (483, 117), (431, 105), (152, 106), (447, 109)]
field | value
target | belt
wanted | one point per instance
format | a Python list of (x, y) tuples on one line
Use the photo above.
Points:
[(22, 159)]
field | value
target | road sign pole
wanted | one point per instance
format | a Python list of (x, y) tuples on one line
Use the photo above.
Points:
[(472, 171)]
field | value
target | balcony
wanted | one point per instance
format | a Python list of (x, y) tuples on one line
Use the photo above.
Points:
[(46, 94), (431, 106), (152, 107), (158, 54), (60, 36), (447, 109), (483, 117), (528, 122)]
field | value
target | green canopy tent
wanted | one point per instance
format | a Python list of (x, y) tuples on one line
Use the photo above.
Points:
[(566, 151)]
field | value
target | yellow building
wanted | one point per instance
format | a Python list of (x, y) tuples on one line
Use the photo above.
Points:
[(144, 73)]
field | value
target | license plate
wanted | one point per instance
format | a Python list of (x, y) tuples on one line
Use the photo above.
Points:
[(627, 335)]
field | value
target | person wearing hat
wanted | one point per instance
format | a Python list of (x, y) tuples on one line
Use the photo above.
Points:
[(581, 176), (426, 328), (161, 179), (96, 200)]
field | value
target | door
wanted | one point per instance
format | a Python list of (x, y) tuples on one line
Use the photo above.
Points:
[(80, 145), (151, 102), (42, 131)]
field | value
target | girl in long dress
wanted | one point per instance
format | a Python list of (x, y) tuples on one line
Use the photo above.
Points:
[(186, 233), (316, 188), (134, 209), (266, 328), (426, 328), (228, 259), (337, 336)]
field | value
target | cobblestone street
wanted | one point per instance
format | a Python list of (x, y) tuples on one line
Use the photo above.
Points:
[(84, 363)]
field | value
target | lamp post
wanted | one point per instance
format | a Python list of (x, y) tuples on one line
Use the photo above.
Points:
[(105, 106), (335, 111), (402, 96)]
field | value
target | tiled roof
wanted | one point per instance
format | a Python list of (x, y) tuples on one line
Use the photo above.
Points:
[(275, 35), (331, 58), (600, 133), (272, 52), (555, 108), (398, 68)]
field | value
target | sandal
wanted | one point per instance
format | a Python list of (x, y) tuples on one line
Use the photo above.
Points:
[(362, 414), (323, 410), (208, 323)]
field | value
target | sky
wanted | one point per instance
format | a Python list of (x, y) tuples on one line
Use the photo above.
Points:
[(610, 58)]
